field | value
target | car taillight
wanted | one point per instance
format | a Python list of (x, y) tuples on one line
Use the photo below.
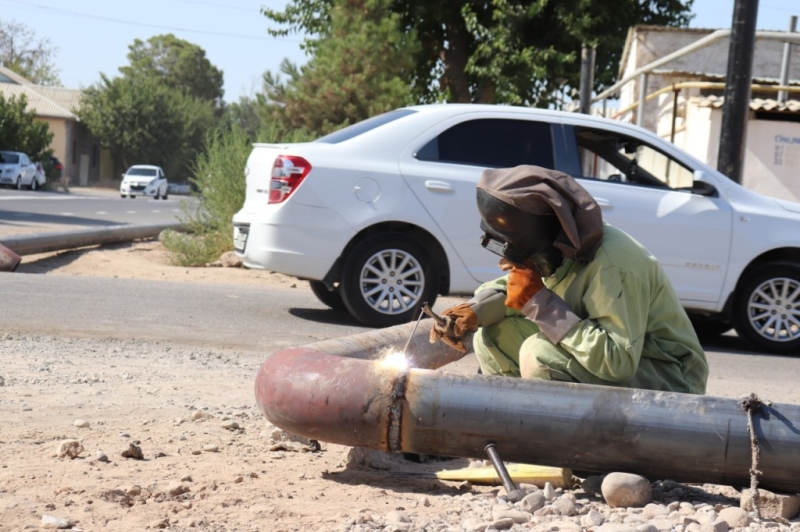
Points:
[(287, 174)]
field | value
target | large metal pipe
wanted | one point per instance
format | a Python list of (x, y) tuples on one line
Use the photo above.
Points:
[(8, 259), (687, 438), (47, 242)]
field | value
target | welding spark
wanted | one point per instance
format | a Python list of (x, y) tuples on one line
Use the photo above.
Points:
[(395, 359)]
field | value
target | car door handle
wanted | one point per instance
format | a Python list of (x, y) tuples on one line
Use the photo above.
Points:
[(439, 186), (604, 203)]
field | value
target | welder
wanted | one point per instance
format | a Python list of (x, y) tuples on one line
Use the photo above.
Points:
[(581, 301)]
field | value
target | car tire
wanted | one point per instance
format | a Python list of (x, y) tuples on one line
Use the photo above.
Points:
[(123, 196), (708, 326), (34, 184), (767, 311), (379, 268), (133, 197), (157, 196), (331, 298), (164, 195), (19, 182)]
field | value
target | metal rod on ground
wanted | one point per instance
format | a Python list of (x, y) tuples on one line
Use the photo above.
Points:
[(786, 63), (47, 242), (736, 107), (500, 467), (587, 78)]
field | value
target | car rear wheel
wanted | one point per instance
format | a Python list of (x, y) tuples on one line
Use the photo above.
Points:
[(767, 313), (164, 195), (387, 277), (331, 298), (34, 184), (123, 195)]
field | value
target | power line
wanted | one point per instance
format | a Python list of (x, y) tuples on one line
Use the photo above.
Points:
[(79, 14), (212, 4)]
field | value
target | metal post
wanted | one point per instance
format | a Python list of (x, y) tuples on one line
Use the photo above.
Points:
[(500, 468), (787, 57), (587, 78), (675, 93), (642, 96), (736, 108)]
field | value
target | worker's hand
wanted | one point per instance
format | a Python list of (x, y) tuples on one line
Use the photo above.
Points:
[(459, 321), (523, 284)]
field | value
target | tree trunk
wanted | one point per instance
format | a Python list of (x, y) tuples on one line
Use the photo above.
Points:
[(486, 92), (454, 58)]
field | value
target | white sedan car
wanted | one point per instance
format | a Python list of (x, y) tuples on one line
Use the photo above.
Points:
[(144, 180), (17, 170), (381, 216)]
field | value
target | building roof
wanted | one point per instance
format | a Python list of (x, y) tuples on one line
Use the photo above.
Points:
[(46, 102), (756, 104)]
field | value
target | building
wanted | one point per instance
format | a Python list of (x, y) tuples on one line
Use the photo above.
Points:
[(84, 160), (687, 97)]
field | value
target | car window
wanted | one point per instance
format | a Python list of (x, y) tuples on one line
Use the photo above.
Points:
[(613, 157), (141, 171), (365, 125), (8, 157), (24, 160), (492, 142)]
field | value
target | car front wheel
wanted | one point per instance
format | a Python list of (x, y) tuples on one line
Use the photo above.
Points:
[(767, 311), (19, 182), (387, 277)]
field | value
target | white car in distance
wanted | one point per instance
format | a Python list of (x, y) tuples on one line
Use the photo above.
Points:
[(17, 170), (144, 180), (381, 216)]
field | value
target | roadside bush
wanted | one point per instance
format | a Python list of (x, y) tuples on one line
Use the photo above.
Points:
[(219, 186)]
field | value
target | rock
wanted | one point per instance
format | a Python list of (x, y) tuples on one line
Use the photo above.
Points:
[(199, 416), (81, 423), (159, 524), (397, 517), (717, 526), (647, 527), (133, 451), (69, 449), (564, 526), (771, 505), (2, 381), (592, 484), (49, 521), (534, 501), (100, 456), (593, 519), (549, 492), (230, 260), (655, 510), (517, 516), (625, 490), (211, 448), (474, 525), (174, 489), (363, 457), (615, 527), (230, 425), (735, 517), (134, 491), (565, 506), (501, 524), (238, 480)]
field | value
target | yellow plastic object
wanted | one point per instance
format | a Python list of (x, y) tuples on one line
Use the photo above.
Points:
[(519, 473)]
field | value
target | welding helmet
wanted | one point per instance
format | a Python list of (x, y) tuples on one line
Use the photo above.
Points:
[(519, 236)]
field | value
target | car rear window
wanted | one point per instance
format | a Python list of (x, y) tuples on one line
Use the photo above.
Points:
[(362, 127), (494, 143), (141, 171), (8, 157)]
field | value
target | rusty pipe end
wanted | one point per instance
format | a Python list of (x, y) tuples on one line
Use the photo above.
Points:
[(8, 259)]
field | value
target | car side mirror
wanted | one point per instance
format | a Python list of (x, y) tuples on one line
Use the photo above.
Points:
[(701, 187)]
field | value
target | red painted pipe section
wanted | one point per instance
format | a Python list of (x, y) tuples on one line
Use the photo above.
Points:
[(687, 438), (8, 259)]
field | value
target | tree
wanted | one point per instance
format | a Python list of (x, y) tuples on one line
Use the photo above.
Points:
[(361, 67), (179, 64), (26, 55), (502, 51), (20, 131), (144, 121)]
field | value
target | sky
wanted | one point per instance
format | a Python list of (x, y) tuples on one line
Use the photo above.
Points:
[(92, 36)]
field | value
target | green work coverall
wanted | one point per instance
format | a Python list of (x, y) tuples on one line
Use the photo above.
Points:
[(628, 328)]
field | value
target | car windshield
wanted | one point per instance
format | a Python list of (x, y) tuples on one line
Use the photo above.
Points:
[(362, 127), (150, 172), (9, 158)]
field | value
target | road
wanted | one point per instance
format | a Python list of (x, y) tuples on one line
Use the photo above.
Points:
[(28, 209), (269, 318)]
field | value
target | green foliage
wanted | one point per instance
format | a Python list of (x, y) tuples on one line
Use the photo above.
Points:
[(20, 131), (501, 51), (29, 57), (179, 64), (362, 66), (143, 121)]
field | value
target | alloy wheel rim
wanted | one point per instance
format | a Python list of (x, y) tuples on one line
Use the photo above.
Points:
[(392, 281), (774, 309)]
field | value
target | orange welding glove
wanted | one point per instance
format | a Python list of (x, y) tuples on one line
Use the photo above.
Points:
[(459, 322), (523, 284)]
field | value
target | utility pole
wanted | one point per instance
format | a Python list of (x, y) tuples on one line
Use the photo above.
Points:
[(736, 108), (787, 61), (587, 78)]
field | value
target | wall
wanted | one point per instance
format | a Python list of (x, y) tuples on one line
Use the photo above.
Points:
[(57, 127)]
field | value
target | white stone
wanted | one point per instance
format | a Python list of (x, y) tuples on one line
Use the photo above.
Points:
[(502, 524), (647, 527), (397, 517), (474, 525), (534, 501), (69, 449), (230, 425), (593, 519), (81, 423), (211, 448), (549, 491), (655, 510), (735, 517), (100, 456), (771, 505), (516, 516), (716, 526), (625, 490), (49, 521), (565, 506)]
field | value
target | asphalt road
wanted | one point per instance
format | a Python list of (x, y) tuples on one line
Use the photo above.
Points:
[(270, 318), (76, 208)]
